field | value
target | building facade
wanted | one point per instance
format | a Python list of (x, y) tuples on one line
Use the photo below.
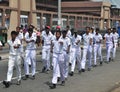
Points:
[(76, 13)]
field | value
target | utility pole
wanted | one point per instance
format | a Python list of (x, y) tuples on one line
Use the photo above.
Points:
[(59, 12)]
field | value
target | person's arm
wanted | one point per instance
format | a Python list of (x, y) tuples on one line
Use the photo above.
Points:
[(18, 44), (68, 48)]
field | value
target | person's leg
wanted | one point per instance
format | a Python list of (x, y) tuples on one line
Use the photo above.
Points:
[(100, 54), (26, 64), (78, 52), (48, 59), (89, 57), (95, 54), (55, 69), (10, 71), (73, 58), (44, 60), (18, 69), (66, 65), (11, 64), (114, 50), (108, 52), (62, 67), (33, 62), (83, 62)]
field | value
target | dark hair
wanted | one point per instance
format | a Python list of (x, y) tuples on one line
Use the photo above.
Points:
[(30, 30), (67, 26), (88, 27), (58, 31), (13, 33), (114, 28), (97, 29), (64, 31)]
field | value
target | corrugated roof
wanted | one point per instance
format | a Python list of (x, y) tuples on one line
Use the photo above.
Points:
[(115, 2)]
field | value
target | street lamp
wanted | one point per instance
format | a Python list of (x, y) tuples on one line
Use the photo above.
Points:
[(59, 12)]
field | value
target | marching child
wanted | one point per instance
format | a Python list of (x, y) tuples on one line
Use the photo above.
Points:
[(14, 59)]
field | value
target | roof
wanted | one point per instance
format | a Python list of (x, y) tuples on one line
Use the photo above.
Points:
[(116, 3)]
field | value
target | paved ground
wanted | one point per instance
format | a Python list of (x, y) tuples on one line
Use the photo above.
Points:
[(101, 79)]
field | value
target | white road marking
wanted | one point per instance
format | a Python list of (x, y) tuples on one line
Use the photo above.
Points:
[(16, 77)]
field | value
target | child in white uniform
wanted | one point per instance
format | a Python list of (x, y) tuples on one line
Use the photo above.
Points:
[(76, 50), (97, 38), (115, 39), (30, 53), (14, 60), (58, 59), (47, 39), (109, 44), (87, 49)]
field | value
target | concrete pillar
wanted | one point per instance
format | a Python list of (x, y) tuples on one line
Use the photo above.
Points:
[(18, 15), (13, 22), (68, 23), (51, 18), (34, 19), (41, 21), (3, 17), (75, 22)]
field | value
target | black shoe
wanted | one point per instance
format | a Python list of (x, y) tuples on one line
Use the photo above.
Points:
[(83, 70), (43, 70), (7, 84), (79, 71), (94, 65), (109, 59), (25, 77), (71, 73), (19, 82), (89, 69), (58, 79), (48, 71), (53, 86), (33, 77), (63, 83), (101, 63), (70, 64)]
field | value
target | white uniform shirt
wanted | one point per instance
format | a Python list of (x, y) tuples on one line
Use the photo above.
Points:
[(31, 45), (0, 43), (109, 38), (68, 34), (97, 38), (57, 48), (66, 43), (20, 36), (86, 39), (75, 40), (115, 37), (47, 39), (11, 44)]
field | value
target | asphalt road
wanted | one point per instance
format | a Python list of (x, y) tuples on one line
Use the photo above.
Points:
[(99, 79)]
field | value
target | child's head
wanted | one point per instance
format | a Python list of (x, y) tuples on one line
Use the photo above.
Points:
[(64, 33), (13, 34), (58, 34), (87, 30)]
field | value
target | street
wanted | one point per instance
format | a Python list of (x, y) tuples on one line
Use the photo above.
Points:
[(99, 79)]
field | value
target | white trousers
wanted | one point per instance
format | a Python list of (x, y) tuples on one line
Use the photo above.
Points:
[(30, 57), (14, 61), (46, 56), (70, 55), (114, 50), (66, 63), (87, 51), (76, 56), (109, 49), (58, 67), (97, 51)]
